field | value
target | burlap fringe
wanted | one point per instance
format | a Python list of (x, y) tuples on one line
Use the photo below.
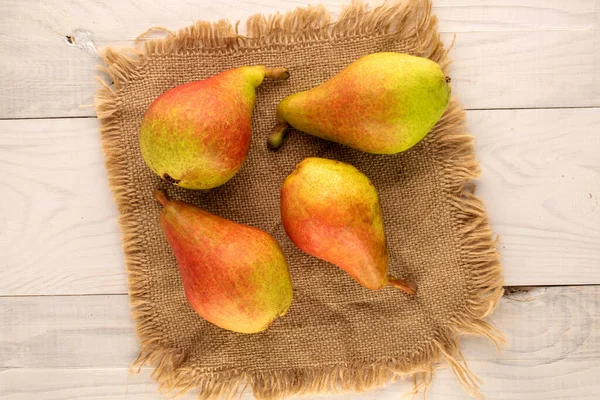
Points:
[(452, 148)]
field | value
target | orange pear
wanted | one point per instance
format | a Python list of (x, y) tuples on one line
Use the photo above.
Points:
[(198, 135), (331, 210), (235, 276), (382, 103)]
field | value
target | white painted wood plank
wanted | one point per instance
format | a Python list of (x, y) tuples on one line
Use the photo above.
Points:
[(541, 187), (80, 384), (59, 231), (553, 350), (507, 54), (540, 184), (501, 382), (67, 331), (535, 69), (124, 20)]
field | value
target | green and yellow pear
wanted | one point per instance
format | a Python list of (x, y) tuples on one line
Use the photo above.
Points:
[(382, 103), (331, 210), (198, 135), (235, 276)]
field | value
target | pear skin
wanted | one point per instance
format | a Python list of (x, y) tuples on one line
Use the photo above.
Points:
[(383, 103), (198, 135), (331, 211), (234, 276)]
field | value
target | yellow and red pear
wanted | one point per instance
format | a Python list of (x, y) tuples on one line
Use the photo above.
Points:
[(382, 103), (331, 210), (198, 135), (234, 276)]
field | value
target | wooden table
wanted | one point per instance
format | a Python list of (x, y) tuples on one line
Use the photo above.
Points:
[(527, 71)]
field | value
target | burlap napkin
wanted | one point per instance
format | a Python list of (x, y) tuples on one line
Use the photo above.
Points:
[(336, 334)]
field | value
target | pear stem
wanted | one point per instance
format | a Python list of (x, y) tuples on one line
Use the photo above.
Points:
[(161, 196), (275, 139), (276, 73), (406, 286)]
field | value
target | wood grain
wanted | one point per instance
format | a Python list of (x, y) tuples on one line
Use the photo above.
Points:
[(125, 20), (59, 230), (559, 380), (80, 347), (507, 55), (540, 184), (541, 187)]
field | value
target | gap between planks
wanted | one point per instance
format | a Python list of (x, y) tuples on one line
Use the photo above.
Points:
[(510, 291), (465, 109)]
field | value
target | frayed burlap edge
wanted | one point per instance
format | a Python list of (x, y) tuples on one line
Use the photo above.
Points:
[(449, 143)]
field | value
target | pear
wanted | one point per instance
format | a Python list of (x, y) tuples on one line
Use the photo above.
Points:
[(383, 103), (234, 276), (197, 135), (331, 210)]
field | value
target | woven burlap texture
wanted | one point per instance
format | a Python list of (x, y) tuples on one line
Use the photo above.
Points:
[(336, 334)]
